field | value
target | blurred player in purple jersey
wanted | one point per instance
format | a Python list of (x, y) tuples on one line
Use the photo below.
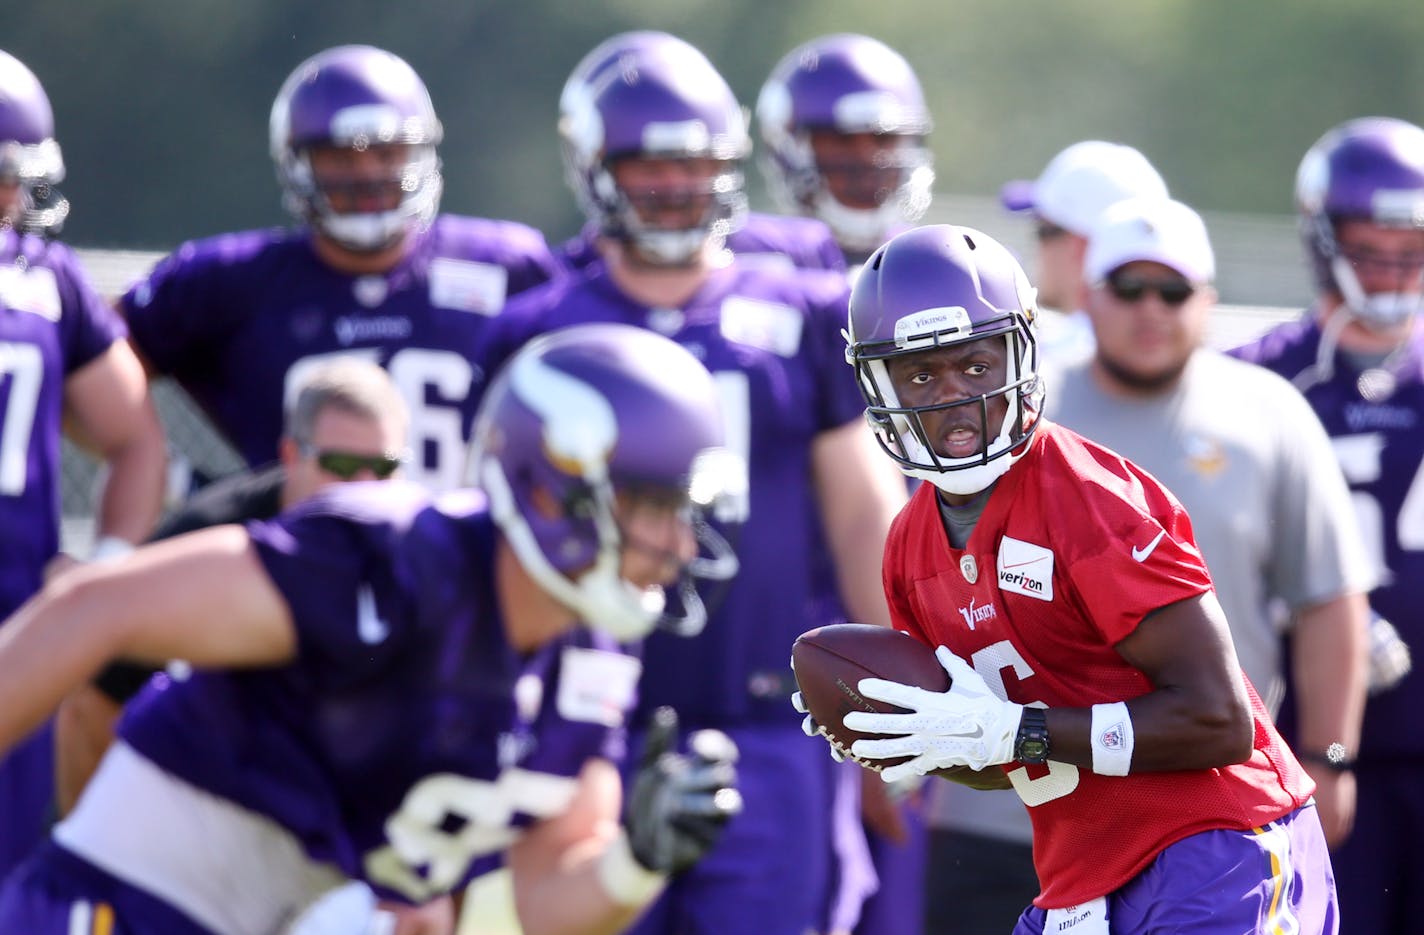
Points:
[(374, 674), (842, 127), (843, 124), (1358, 356), (759, 238), (654, 149), (372, 270), (64, 368), (347, 423)]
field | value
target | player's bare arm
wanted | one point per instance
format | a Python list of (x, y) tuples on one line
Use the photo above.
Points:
[(859, 493), (142, 607), (1197, 716), (108, 411)]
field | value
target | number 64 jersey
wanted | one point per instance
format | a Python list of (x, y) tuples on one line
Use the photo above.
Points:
[(1074, 547)]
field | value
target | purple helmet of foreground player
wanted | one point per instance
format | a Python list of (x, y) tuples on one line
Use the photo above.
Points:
[(29, 154), (846, 84), (1369, 169), (580, 415), (651, 95), (939, 286), (356, 96)]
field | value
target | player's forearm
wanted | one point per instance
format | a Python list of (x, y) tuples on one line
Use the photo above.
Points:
[(573, 897), (1330, 651), (133, 493), (51, 645), (859, 496)]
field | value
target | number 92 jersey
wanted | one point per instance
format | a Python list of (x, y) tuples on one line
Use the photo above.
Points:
[(237, 319), (408, 743), (51, 324)]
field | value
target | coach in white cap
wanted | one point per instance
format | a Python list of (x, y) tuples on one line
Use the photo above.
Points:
[(1066, 201), (1246, 455)]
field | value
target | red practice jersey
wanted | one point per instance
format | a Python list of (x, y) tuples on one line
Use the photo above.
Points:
[(1075, 546)]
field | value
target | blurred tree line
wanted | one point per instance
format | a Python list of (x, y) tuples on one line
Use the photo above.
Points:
[(162, 105)]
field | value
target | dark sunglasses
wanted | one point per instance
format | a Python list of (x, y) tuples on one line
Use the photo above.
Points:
[(346, 465), (1132, 288), (1046, 231)]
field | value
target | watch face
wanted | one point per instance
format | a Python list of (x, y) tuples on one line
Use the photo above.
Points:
[(1032, 751)]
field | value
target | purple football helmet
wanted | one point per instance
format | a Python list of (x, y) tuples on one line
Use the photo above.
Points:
[(652, 95), (356, 96), (846, 84), (1369, 169), (578, 416), (29, 154), (932, 287)]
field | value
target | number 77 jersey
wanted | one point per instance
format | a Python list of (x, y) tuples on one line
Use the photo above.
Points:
[(239, 319), (51, 325)]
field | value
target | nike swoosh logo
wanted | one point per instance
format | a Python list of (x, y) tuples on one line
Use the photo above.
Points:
[(369, 626), (1140, 555)]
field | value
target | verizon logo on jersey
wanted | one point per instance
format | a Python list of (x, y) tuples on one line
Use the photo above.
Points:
[(973, 614), (1025, 568)]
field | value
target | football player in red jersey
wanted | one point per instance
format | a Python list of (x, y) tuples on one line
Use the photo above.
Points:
[(1099, 679)]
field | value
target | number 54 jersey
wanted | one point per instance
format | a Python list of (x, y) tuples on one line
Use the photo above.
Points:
[(1375, 420), (239, 319), (407, 745), (1074, 547)]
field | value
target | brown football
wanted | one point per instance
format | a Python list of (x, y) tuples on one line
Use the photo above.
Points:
[(830, 661)]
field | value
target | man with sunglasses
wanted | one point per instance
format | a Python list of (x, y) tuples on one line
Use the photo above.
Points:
[(1356, 355), (1248, 459), (1065, 202)]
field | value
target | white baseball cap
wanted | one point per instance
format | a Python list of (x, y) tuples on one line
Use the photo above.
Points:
[(1083, 181), (1157, 229)]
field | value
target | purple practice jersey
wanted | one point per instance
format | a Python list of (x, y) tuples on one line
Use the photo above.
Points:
[(239, 320), (408, 742), (1379, 443), (52, 323), (772, 341), (803, 243)]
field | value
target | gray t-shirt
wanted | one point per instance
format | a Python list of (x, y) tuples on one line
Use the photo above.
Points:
[(1248, 458)]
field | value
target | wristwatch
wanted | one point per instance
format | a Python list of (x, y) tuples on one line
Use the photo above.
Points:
[(1031, 745), (1335, 758)]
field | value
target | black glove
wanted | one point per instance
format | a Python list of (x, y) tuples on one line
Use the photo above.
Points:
[(680, 801)]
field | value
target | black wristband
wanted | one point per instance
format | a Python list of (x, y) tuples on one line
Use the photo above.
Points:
[(1032, 744), (1334, 758)]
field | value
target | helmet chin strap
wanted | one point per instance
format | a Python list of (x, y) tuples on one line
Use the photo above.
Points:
[(857, 229), (1379, 311)]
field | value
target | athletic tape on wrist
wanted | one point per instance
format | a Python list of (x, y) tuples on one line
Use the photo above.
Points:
[(110, 547), (626, 881), (1112, 739)]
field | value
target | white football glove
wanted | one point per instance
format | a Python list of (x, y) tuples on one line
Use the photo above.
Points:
[(810, 728), (965, 726)]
